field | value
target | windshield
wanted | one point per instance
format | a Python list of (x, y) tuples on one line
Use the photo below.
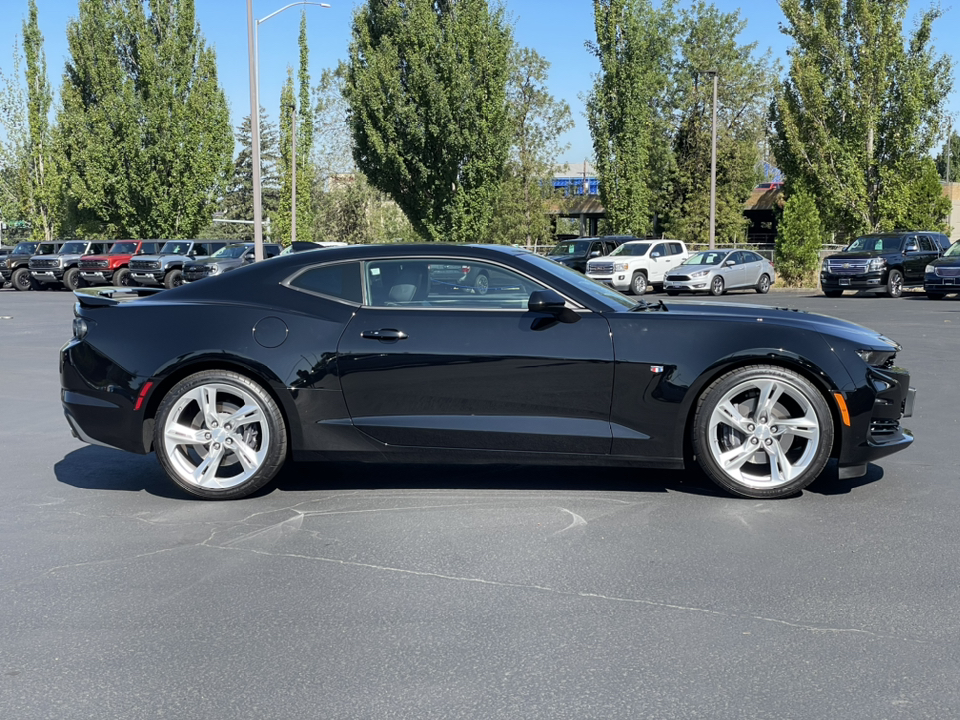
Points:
[(953, 250), (705, 258), (73, 248), (632, 249), (875, 243), (570, 247), (25, 248), (46, 249), (610, 296), (230, 251), (175, 247), (123, 248)]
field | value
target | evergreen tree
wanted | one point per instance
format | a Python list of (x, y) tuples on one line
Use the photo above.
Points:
[(426, 85), (860, 106), (238, 198), (144, 123), (625, 109), (799, 239)]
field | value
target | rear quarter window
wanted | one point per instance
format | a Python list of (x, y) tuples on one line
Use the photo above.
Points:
[(340, 281)]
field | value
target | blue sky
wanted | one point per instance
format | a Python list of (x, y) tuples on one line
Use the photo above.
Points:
[(557, 29)]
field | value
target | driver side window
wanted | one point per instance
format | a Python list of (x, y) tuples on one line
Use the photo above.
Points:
[(447, 283)]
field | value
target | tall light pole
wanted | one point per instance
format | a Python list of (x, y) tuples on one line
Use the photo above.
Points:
[(293, 172), (253, 39), (713, 166)]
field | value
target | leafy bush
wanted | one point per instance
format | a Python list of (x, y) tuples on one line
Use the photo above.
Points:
[(799, 239)]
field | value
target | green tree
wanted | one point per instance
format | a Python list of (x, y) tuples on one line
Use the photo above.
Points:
[(953, 143), (30, 187), (538, 121), (744, 86), (625, 109), (144, 124), (914, 197), (426, 85), (238, 199), (860, 105), (799, 239)]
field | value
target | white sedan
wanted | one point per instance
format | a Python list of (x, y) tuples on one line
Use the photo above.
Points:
[(716, 271)]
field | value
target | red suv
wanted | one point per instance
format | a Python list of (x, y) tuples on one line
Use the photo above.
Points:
[(112, 268)]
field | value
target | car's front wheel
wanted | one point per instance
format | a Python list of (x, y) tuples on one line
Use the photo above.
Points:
[(173, 279), (762, 431), (638, 284), (22, 280), (122, 278), (895, 284), (717, 286), (72, 279), (219, 435)]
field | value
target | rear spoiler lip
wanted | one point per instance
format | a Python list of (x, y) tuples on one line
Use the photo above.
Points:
[(104, 296)]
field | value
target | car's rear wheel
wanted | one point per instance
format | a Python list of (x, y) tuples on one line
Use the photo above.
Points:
[(717, 286), (833, 293), (638, 284), (895, 284), (122, 278), (219, 435), (762, 432), (763, 284), (173, 279)]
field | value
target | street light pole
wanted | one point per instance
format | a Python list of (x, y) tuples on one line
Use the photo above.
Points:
[(713, 166), (253, 33), (293, 173)]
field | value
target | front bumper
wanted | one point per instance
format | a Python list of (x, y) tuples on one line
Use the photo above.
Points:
[(937, 284), (148, 277), (618, 281), (97, 276), (691, 285), (868, 281), (47, 275)]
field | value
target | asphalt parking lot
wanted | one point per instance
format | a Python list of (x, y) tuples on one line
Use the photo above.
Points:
[(476, 592)]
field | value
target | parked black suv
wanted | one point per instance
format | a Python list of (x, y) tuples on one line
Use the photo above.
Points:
[(575, 253), (19, 260), (887, 262)]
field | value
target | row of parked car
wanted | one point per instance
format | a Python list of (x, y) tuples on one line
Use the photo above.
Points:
[(881, 262), (78, 263), (884, 262)]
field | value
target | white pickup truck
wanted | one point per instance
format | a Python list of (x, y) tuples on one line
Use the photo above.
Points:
[(636, 264)]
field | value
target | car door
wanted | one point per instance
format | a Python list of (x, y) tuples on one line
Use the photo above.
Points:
[(914, 260), (752, 267), (733, 270), (927, 253), (658, 263), (425, 364)]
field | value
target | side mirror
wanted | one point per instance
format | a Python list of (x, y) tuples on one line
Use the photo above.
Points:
[(729, 263), (912, 248), (551, 303), (595, 253), (655, 255), (249, 258)]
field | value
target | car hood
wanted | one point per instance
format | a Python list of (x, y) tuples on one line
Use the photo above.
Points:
[(861, 254), (564, 259), (823, 324), (214, 261), (946, 261)]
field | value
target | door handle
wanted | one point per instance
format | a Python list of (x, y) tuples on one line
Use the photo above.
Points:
[(384, 335)]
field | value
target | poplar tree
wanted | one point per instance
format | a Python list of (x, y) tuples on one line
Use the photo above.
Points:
[(625, 110), (860, 111), (426, 85), (144, 123)]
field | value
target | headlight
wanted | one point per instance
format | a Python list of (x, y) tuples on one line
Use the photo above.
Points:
[(700, 273), (929, 270), (876, 264), (620, 267), (878, 358), (824, 266), (214, 269)]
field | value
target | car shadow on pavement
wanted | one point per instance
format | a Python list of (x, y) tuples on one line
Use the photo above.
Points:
[(99, 468)]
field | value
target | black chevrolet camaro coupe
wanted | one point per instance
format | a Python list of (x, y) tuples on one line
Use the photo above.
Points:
[(354, 354)]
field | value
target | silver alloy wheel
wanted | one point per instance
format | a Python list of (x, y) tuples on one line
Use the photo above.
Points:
[(216, 436), (764, 433), (716, 285), (764, 285), (895, 284), (639, 283)]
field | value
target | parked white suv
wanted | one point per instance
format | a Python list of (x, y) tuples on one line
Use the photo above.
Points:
[(635, 265)]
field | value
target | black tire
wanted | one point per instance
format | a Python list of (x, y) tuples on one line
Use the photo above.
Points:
[(833, 293), (894, 283), (208, 430), (717, 286), (638, 283), (763, 284), (173, 279), (23, 280), (934, 295), (123, 278), (481, 285), (783, 462), (71, 279)]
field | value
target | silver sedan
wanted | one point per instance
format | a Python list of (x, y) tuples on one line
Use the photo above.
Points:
[(716, 271)]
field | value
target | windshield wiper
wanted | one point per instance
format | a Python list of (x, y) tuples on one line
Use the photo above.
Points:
[(644, 305)]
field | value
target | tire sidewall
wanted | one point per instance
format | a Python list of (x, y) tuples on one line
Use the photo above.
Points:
[(17, 279), (717, 286), (274, 419), (719, 388), (763, 286), (71, 278), (895, 289), (637, 278), (173, 279), (122, 278)]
